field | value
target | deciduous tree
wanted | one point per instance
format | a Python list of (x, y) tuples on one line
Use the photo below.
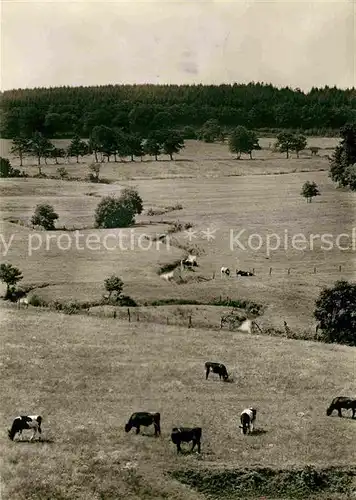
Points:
[(10, 275), (310, 190), (336, 313)]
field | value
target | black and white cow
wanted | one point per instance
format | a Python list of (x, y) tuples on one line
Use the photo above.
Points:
[(185, 435), (342, 402), (224, 271), (218, 368), (26, 422), (144, 418), (247, 418), (243, 273)]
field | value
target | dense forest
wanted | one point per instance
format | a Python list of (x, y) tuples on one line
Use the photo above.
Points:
[(67, 111)]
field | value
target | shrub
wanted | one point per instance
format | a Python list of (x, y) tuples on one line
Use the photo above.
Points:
[(37, 301), (44, 216), (111, 213), (119, 212)]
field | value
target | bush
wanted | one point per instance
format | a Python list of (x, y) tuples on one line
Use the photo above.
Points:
[(119, 212), (111, 212), (37, 301), (44, 216)]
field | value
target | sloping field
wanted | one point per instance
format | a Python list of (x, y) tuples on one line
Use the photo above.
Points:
[(267, 206), (86, 375)]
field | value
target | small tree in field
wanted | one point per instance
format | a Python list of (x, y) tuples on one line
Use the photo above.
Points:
[(77, 148), (336, 313), (10, 275), (114, 284), (20, 146), (172, 143), (44, 216), (285, 142), (41, 147), (300, 143), (242, 140), (310, 190), (153, 145)]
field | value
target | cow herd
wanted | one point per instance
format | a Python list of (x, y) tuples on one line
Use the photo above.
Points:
[(179, 435), (225, 271)]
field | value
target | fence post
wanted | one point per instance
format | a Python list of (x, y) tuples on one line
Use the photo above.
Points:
[(213, 275), (138, 316), (314, 270), (221, 323), (270, 271), (114, 315), (253, 270), (129, 315), (167, 321), (190, 322), (340, 269), (288, 270)]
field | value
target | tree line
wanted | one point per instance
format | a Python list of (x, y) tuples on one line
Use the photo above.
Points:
[(68, 111), (104, 141)]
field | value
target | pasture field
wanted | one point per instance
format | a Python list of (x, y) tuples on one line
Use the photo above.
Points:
[(87, 375), (248, 201)]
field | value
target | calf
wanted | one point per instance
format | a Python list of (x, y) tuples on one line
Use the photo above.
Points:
[(26, 422), (218, 368), (247, 418), (342, 402), (224, 271), (244, 273), (144, 418), (185, 435)]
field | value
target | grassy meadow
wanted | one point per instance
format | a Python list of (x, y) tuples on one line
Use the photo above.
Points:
[(86, 374), (224, 195)]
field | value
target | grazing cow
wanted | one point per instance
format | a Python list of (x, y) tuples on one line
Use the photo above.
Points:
[(144, 418), (342, 402), (224, 271), (243, 273), (168, 276), (190, 261), (218, 368), (26, 422), (23, 301), (185, 435), (247, 418), (246, 326)]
